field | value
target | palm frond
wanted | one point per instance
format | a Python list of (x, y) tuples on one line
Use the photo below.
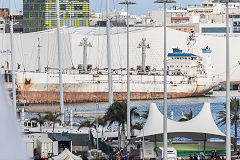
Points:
[(34, 119), (137, 126), (86, 123)]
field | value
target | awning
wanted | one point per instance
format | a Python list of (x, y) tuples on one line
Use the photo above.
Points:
[(61, 138), (200, 128)]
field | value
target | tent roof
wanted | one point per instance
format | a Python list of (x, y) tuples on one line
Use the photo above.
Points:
[(66, 155), (201, 127)]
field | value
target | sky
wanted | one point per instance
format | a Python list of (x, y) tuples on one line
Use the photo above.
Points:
[(141, 7)]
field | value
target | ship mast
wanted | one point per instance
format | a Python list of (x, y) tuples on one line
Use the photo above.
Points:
[(12, 58), (60, 63), (110, 91), (85, 44), (144, 46)]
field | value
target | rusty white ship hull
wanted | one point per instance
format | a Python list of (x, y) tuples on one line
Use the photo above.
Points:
[(36, 87)]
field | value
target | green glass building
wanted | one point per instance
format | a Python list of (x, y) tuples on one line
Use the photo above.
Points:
[(40, 15)]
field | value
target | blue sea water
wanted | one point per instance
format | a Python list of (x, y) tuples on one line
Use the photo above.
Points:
[(217, 101), (179, 105)]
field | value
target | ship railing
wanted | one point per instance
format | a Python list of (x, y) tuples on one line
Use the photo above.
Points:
[(136, 82)]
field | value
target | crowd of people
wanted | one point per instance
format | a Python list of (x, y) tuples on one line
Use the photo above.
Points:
[(201, 156)]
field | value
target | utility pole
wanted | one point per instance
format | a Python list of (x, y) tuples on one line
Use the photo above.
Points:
[(39, 58), (85, 44), (144, 46), (12, 58)]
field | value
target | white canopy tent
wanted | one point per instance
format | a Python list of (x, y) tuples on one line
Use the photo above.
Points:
[(200, 128), (66, 155)]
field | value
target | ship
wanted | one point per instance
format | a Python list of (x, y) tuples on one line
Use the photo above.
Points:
[(188, 75)]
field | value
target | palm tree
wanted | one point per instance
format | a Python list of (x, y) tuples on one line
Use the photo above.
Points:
[(234, 116), (54, 118), (133, 113), (186, 117), (117, 112), (87, 124), (101, 122), (39, 119)]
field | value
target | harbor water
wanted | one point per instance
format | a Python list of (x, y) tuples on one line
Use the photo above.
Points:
[(177, 106)]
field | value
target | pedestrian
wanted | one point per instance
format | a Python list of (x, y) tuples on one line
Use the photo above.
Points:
[(212, 155), (126, 157), (195, 156), (201, 156), (238, 153), (190, 156), (215, 154), (130, 156)]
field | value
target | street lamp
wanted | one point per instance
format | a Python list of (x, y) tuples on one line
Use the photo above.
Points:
[(228, 140), (128, 2), (143, 139), (165, 80), (97, 105)]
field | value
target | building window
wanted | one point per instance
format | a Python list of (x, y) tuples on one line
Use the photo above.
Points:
[(78, 7), (62, 6)]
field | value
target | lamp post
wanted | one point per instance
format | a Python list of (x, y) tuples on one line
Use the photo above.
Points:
[(12, 58), (143, 139), (60, 62), (228, 139), (128, 2), (70, 5), (165, 80), (97, 105), (109, 59)]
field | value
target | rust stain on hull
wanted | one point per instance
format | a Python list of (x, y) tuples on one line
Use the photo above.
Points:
[(74, 97)]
